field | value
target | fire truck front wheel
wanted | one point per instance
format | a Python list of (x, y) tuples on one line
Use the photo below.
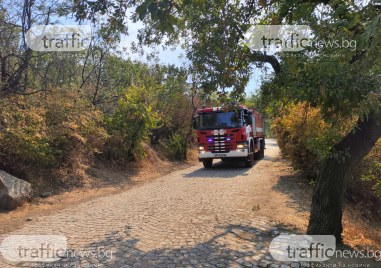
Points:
[(208, 163), (261, 152), (251, 157), (262, 149)]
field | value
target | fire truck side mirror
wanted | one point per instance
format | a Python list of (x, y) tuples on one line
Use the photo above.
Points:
[(194, 123)]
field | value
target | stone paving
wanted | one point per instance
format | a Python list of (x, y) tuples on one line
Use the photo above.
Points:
[(189, 218)]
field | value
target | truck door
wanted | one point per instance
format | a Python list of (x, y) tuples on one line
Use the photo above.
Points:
[(254, 126)]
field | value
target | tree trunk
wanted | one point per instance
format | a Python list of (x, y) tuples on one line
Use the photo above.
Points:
[(328, 196)]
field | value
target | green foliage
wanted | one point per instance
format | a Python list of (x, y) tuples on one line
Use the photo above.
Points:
[(305, 138), (91, 102), (175, 147), (63, 127), (161, 89), (23, 136), (370, 169), (130, 125), (75, 127), (364, 186), (35, 134)]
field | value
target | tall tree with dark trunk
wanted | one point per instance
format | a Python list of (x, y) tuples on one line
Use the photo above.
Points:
[(328, 196)]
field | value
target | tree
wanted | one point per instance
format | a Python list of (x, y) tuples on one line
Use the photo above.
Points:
[(214, 29), (333, 82)]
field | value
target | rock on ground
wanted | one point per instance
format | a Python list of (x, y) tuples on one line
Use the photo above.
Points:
[(13, 191)]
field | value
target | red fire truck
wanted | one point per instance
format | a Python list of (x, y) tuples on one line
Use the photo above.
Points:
[(234, 134)]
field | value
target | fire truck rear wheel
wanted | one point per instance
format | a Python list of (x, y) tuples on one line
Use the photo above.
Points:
[(208, 163)]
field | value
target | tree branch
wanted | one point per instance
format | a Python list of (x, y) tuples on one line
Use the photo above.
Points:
[(262, 57)]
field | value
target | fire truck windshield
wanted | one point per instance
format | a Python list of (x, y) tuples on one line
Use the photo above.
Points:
[(220, 120)]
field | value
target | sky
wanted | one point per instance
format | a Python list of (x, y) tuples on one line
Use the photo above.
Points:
[(175, 56)]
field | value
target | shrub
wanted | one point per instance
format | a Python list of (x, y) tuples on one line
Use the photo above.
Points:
[(371, 168), (175, 147), (365, 185), (305, 138), (75, 127), (129, 126), (24, 140), (41, 131)]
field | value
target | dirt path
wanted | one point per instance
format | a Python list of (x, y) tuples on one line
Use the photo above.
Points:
[(220, 217)]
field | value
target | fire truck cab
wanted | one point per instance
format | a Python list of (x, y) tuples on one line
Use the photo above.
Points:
[(229, 135)]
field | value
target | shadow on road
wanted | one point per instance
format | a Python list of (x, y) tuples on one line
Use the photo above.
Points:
[(222, 170), (231, 169), (234, 245), (273, 158), (297, 190)]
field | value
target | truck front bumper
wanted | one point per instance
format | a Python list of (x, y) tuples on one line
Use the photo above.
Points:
[(235, 153)]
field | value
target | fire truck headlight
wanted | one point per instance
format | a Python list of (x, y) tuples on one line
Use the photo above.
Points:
[(242, 145)]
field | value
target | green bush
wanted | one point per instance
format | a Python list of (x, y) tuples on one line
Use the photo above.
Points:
[(175, 147), (129, 126), (364, 188), (45, 131), (305, 139), (24, 139), (75, 127), (370, 169)]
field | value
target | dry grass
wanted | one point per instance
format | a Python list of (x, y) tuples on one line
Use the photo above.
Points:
[(361, 230)]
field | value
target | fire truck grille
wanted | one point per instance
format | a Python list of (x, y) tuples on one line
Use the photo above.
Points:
[(220, 143)]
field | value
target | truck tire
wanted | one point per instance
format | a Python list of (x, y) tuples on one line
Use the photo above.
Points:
[(262, 150), (257, 155), (251, 157), (208, 163)]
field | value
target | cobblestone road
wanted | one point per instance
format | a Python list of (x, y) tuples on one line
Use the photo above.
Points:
[(189, 218)]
